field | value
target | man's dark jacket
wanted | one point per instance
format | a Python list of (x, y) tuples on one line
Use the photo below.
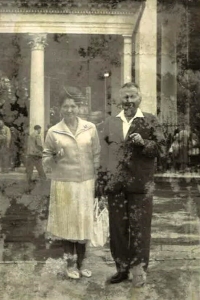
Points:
[(125, 165)]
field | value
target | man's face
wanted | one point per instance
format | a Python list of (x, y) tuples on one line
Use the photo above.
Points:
[(39, 130), (130, 100)]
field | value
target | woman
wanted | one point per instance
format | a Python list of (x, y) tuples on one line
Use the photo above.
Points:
[(72, 151)]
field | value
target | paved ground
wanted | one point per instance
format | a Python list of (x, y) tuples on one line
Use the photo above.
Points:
[(33, 269), (166, 280)]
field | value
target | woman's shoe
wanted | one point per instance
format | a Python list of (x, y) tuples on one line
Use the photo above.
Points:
[(73, 273), (85, 273)]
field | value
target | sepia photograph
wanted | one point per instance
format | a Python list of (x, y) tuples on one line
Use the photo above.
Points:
[(100, 149)]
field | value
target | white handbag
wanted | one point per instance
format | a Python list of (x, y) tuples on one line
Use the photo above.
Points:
[(101, 226)]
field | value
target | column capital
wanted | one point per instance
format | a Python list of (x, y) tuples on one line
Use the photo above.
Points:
[(37, 41), (127, 45), (127, 38)]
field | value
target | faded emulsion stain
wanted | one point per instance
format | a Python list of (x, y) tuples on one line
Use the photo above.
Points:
[(86, 44)]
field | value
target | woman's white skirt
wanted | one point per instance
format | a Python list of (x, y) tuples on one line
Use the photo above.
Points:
[(71, 210)]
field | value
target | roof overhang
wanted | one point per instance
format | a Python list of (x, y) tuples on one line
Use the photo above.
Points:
[(75, 20)]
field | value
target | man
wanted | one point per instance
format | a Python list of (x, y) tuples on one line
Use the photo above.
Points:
[(5, 138), (34, 154), (131, 141)]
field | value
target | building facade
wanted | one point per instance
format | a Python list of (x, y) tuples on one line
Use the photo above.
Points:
[(94, 46)]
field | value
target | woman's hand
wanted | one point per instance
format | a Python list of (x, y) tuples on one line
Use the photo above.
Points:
[(60, 152), (58, 155)]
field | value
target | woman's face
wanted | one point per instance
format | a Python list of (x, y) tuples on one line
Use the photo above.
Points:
[(69, 109)]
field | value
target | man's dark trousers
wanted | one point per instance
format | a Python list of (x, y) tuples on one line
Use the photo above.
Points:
[(130, 229)]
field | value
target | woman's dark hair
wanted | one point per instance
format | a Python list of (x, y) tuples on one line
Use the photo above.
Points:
[(68, 94), (65, 96)]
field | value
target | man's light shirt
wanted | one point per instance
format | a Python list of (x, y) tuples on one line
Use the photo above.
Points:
[(127, 124)]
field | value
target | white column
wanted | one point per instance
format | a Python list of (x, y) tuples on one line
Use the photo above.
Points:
[(146, 57), (168, 73), (127, 59), (47, 101), (37, 104)]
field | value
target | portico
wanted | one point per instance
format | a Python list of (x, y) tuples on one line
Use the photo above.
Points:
[(131, 22)]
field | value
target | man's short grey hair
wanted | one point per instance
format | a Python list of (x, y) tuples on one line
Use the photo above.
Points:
[(130, 85)]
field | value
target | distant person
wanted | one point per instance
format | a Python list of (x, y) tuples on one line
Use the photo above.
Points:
[(183, 139), (194, 151), (173, 150), (34, 155), (5, 139), (23, 145)]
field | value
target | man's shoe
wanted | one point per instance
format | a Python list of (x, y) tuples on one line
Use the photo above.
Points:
[(118, 277)]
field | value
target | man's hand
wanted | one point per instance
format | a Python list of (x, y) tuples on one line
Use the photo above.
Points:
[(137, 139), (101, 183)]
